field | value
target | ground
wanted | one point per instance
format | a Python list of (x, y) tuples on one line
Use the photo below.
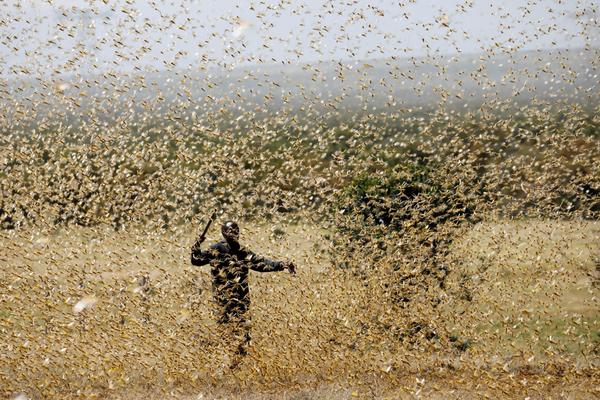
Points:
[(87, 312)]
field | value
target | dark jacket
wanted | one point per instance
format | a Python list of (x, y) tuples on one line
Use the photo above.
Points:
[(229, 268)]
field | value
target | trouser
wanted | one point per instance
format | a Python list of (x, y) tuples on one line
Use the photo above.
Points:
[(237, 336), (234, 329)]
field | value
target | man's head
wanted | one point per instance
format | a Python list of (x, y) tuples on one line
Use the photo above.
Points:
[(230, 231)]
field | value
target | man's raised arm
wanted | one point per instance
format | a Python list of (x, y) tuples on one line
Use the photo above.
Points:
[(199, 256)]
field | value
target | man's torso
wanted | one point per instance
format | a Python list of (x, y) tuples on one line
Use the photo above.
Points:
[(229, 269)]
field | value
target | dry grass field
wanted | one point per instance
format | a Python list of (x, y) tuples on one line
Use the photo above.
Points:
[(90, 313), (432, 169)]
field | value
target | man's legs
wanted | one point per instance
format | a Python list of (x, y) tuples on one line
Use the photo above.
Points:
[(240, 339), (235, 331)]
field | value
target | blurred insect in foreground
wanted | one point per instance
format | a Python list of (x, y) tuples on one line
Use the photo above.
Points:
[(230, 263)]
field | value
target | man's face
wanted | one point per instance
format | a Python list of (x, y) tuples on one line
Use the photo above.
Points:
[(231, 232)]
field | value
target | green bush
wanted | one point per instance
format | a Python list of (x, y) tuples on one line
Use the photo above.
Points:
[(395, 227)]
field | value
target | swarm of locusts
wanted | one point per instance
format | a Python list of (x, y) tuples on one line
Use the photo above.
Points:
[(439, 208)]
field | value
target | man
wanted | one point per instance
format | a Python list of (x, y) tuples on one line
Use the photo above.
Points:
[(230, 264)]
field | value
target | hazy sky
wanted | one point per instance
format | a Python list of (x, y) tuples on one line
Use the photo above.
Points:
[(41, 38)]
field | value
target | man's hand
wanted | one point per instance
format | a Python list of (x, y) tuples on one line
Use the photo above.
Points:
[(290, 267), (199, 241)]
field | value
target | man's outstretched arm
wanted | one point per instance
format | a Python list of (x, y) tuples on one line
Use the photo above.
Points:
[(263, 264)]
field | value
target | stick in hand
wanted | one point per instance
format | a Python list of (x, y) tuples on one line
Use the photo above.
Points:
[(202, 236)]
